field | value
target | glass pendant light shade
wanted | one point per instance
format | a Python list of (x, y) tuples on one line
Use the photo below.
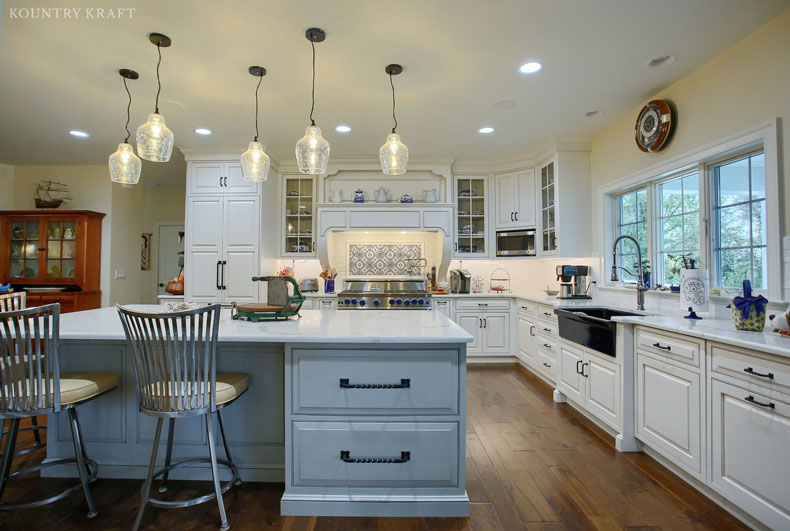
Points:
[(255, 163), (125, 166), (394, 155), (154, 139), (312, 152)]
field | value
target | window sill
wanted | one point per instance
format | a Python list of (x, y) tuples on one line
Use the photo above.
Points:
[(714, 299)]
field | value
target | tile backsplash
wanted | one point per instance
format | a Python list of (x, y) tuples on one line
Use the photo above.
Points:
[(383, 259)]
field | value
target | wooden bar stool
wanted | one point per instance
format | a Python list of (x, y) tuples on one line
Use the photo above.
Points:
[(9, 302), (31, 384), (175, 363)]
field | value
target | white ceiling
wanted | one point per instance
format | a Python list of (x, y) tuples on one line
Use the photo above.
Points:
[(459, 56)]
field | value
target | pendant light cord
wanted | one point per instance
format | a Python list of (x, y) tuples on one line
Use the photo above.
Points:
[(256, 107), (128, 108), (312, 107), (158, 80), (393, 105)]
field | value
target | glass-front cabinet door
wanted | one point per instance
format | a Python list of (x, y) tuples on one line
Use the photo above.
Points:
[(548, 211), (24, 252), (43, 250), (470, 217), (298, 215), (61, 249)]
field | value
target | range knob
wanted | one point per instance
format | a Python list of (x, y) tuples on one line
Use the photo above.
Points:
[(362, 302), (398, 301), (392, 301), (353, 301), (414, 301), (376, 302), (347, 301), (421, 301), (407, 302)]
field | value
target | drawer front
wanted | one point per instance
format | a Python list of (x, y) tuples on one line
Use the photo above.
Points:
[(751, 367), (319, 449), (674, 346), (751, 460), (67, 301), (308, 304), (547, 313), (548, 345), (548, 328), (421, 381), (526, 307), (547, 364), (482, 304)]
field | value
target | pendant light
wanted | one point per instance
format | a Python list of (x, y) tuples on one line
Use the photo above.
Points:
[(312, 150), (125, 166), (394, 154), (255, 162), (154, 139)]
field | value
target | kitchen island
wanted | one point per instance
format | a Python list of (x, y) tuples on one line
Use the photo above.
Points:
[(298, 422)]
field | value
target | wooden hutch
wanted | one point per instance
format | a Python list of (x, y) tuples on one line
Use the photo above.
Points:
[(57, 249)]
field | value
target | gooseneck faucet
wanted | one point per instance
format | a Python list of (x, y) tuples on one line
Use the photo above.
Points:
[(641, 288)]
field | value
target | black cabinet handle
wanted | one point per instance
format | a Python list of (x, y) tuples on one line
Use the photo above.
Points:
[(546, 329), (532, 330), (479, 323), (485, 322), (751, 399), (482, 304), (219, 263), (161, 284), (546, 365), (577, 366), (456, 246), (220, 181), (516, 215), (751, 371), (546, 345), (658, 345), (547, 313), (511, 216), (345, 456), (226, 181), (405, 383), (224, 263), (582, 373)]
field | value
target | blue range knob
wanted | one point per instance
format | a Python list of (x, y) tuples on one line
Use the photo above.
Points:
[(376, 302), (362, 303), (406, 302), (414, 301), (353, 301), (398, 301), (392, 301), (347, 301), (421, 301)]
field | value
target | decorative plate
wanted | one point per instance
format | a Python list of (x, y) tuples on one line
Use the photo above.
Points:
[(654, 126)]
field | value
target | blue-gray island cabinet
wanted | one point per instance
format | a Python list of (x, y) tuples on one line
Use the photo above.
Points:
[(359, 413)]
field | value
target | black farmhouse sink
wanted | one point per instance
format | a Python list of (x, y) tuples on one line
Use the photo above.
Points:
[(590, 327)]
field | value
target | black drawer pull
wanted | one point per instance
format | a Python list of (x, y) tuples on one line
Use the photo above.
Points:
[(546, 329), (546, 345), (751, 371), (751, 399), (405, 383), (546, 365), (345, 456), (658, 345), (547, 313)]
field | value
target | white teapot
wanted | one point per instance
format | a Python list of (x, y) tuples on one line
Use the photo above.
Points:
[(431, 196), (337, 196), (382, 195)]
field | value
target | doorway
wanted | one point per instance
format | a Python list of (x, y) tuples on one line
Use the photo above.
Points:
[(169, 253)]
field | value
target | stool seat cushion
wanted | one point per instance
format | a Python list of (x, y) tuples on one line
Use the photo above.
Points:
[(79, 386), (229, 386)]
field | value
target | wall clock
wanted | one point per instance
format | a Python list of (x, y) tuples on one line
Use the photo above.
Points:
[(654, 126)]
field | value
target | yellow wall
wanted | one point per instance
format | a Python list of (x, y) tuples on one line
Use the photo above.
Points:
[(746, 84), (159, 204), (6, 187)]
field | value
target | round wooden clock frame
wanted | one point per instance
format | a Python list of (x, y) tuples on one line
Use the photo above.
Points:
[(654, 126)]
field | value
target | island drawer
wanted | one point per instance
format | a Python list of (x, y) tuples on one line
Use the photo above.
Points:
[(673, 346), (751, 366), (408, 454), (365, 382), (482, 304)]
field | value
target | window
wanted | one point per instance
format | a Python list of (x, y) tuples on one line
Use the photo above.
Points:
[(739, 217), (678, 227), (631, 220)]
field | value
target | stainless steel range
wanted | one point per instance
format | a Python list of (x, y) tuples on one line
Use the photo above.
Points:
[(384, 294)]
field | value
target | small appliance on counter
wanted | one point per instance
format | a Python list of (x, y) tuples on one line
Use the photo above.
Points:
[(573, 282), (460, 281), (309, 284)]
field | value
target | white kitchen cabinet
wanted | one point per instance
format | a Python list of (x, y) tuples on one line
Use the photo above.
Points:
[(222, 243), (547, 237), (750, 460), (326, 304), (218, 178), (670, 412), (525, 327), (472, 323), (491, 330), (298, 215), (443, 305), (471, 219), (592, 381), (515, 199)]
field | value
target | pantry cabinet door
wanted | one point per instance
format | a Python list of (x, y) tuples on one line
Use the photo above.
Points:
[(496, 328), (472, 323), (569, 381), (602, 389), (235, 183), (240, 241), (206, 178), (525, 211), (506, 197), (203, 264)]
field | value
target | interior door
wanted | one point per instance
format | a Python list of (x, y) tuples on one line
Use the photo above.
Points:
[(472, 322), (525, 210), (505, 184), (169, 243), (204, 248), (496, 331), (240, 241)]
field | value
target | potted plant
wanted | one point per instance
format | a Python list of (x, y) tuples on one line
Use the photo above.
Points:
[(645, 271)]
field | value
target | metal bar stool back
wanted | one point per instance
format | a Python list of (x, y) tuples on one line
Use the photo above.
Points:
[(31, 384), (175, 362), (10, 302)]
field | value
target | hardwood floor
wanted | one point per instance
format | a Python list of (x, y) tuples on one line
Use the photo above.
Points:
[(531, 464)]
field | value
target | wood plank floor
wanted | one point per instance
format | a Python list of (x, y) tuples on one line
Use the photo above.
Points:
[(531, 464)]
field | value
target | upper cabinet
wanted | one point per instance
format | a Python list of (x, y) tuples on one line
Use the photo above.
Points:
[(515, 199), (548, 210), (471, 227), (298, 215), (218, 178)]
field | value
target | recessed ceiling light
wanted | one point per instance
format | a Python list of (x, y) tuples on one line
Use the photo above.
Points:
[(593, 114), (661, 61), (485, 130), (79, 134), (343, 129), (203, 131), (530, 67)]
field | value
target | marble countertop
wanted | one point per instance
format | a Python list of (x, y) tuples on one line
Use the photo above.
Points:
[(315, 326)]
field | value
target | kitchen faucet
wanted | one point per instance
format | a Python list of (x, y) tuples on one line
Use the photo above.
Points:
[(641, 288)]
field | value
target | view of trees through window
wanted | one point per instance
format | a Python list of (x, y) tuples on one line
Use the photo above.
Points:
[(631, 220), (739, 218), (679, 227)]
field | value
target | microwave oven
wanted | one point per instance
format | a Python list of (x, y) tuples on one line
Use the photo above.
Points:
[(515, 243)]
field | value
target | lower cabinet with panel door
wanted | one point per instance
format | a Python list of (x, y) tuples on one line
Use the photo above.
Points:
[(491, 331), (525, 328), (591, 381)]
